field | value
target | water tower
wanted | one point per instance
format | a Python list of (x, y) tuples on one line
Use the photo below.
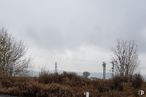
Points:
[(104, 70)]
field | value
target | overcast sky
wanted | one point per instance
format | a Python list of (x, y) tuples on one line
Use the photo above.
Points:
[(78, 34)]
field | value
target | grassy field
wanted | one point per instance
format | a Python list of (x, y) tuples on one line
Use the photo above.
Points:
[(69, 85)]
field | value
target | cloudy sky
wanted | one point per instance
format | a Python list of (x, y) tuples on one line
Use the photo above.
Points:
[(78, 34)]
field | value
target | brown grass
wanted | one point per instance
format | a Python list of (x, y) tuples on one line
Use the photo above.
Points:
[(66, 85)]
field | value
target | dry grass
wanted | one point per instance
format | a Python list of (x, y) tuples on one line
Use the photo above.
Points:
[(66, 85)]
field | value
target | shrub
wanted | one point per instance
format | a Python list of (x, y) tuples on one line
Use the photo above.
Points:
[(137, 81), (66, 85), (65, 78), (101, 85), (72, 79), (43, 77), (117, 82), (6, 82)]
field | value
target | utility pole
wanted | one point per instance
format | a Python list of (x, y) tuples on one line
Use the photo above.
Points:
[(55, 67), (104, 70), (113, 68)]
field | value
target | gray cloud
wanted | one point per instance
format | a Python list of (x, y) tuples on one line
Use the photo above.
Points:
[(71, 26), (68, 24)]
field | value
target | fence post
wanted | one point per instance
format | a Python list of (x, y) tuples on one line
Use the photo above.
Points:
[(86, 93)]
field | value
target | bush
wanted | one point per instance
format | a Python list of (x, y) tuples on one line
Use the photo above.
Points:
[(118, 82), (65, 78), (67, 85), (44, 77), (45, 90), (137, 81)]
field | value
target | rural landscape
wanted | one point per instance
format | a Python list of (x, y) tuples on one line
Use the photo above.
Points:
[(72, 48), (14, 81)]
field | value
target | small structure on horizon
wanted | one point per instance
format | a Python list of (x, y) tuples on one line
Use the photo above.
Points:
[(55, 67), (104, 70)]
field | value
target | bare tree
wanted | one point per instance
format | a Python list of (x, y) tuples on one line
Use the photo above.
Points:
[(12, 60), (125, 57)]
